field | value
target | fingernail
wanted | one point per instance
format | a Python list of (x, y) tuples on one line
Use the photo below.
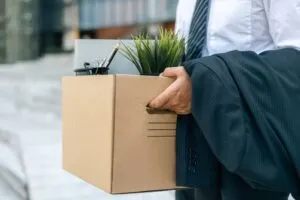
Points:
[(153, 105)]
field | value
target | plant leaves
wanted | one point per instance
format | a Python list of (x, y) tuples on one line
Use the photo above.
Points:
[(153, 56)]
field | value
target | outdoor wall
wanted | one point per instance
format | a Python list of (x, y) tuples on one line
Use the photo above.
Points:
[(2, 31), (21, 30), (12, 30), (30, 29)]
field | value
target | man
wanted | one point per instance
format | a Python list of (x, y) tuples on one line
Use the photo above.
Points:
[(237, 96)]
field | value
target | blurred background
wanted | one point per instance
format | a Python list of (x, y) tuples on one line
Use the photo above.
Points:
[(36, 50), (50, 26)]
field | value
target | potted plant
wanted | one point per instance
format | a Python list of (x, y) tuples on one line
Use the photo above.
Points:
[(151, 57)]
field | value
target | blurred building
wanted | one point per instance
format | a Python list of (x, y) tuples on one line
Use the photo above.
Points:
[(2, 31), (119, 18), (19, 30), (51, 25), (31, 28)]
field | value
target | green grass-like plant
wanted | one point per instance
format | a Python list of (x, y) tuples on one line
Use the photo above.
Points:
[(151, 57)]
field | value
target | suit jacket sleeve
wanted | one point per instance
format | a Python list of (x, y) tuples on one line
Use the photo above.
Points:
[(248, 108)]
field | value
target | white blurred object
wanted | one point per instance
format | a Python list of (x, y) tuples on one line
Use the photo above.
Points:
[(14, 184)]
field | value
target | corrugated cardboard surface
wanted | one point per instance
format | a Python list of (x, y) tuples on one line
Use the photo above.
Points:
[(144, 144), (109, 138), (88, 127)]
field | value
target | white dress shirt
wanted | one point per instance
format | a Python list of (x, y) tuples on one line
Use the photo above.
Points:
[(255, 25)]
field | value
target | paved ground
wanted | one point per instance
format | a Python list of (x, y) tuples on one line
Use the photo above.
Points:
[(30, 120)]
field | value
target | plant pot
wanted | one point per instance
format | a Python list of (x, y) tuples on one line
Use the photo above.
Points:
[(91, 71)]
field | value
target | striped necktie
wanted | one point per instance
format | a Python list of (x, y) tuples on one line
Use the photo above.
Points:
[(197, 34)]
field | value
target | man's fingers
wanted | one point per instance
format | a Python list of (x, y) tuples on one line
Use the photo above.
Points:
[(173, 71), (160, 100), (164, 97)]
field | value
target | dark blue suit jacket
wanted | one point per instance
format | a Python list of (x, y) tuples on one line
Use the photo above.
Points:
[(245, 117)]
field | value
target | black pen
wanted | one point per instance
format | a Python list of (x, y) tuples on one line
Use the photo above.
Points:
[(111, 57)]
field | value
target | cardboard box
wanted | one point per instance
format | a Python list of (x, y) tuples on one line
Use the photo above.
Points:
[(110, 140)]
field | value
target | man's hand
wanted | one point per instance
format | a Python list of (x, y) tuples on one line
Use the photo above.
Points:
[(177, 97)]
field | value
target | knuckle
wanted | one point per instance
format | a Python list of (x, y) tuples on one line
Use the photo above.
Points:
[(181, 71), (167, 69)]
